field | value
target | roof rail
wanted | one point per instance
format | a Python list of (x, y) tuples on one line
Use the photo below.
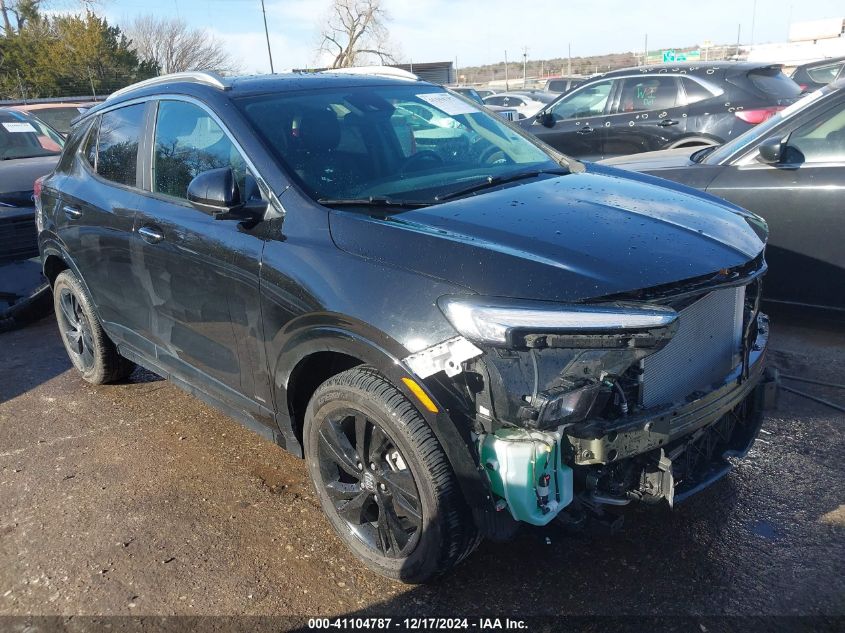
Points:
[(376, 71), (199, 77)]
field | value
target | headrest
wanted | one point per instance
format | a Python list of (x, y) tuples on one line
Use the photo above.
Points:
[(319, 130)]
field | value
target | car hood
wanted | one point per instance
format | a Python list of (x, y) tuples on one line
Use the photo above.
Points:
[(568, 238), (649, 161), (18, 175)]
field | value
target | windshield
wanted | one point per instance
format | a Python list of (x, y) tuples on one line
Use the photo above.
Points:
[(413, 143), (22, 136), (743, 141)]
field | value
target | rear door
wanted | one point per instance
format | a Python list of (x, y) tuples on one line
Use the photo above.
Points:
[(802, 200), (578, 120), (648, 114), (200, 274), (96, 212)]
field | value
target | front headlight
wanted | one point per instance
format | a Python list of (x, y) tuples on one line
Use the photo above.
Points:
[(499, 322)]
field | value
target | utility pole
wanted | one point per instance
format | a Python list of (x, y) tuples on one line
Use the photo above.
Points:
[(267, 35), (645, 51), (507, 85), (524, 63), (738, 35), (753, 20), (569, 64)]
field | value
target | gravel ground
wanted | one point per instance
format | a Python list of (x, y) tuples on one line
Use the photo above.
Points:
[(137, 499)]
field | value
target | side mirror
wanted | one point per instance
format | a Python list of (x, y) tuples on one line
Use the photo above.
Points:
[(770, 151), (216, 192), (546, 119)]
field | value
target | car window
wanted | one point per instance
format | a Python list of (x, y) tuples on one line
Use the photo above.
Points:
[(557, 85), (22, 136), (695, 91), (821, 140), (773, 82), (59, 118), (495, 100), (825, 74), (654, 92), (117, 146), (188, 141), (89, 150), (585, 102), (360, 142)]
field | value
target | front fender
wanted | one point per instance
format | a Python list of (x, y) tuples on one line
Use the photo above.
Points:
[(317, 333)]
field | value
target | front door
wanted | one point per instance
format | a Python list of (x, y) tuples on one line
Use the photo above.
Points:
[(801, 198), (577, 123), (200, 274)]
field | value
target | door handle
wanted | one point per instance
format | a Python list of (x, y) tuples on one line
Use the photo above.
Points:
[(151, 234), (585, 130), (72, 213), (667, 122)]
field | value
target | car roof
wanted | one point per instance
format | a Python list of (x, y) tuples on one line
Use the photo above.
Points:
[(689, 68), (821, 62), (13, 114)]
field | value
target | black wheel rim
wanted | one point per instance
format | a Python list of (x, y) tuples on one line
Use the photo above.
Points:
[(369, 484), (76, 329)]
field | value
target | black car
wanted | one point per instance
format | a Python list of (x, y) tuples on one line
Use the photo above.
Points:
[(457, 342), (29, 149), (820, 73), (662, 107), (791, 171)]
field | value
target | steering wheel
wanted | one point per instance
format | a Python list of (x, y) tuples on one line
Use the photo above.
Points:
[(494, 155), (419, 160)]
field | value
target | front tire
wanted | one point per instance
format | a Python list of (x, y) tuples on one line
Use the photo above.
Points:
[(383, 479), (90, 349)]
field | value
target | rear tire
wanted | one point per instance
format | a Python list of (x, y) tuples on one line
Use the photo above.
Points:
[(90, 349), (383, 479)]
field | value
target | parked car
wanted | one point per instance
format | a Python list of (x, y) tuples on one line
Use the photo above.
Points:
[(57, 115), (791, 171), (509, 114), (526, 105), (818, 74), (28, 149), (457, 345), (563, 84), (486, 92), (662, 107)]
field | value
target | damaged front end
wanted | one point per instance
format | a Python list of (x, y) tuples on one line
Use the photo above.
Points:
[(635, 397)]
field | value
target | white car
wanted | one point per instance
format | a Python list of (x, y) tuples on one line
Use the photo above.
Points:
[(527, 105)]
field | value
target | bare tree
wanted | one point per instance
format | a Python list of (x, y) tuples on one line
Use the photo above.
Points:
[(355, 31), (177, 48)]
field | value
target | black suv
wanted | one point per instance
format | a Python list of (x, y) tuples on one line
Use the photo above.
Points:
[(662, 107), (459, 331)]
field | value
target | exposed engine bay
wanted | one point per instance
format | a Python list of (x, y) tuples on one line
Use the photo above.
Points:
[(567, 420)]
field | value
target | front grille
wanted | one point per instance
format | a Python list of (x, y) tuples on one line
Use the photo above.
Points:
[(704, 350), (18, 238)]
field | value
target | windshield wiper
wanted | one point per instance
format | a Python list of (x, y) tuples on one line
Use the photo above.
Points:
[(495, 181), (373, 201)]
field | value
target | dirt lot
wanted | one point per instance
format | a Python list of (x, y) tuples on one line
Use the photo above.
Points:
[(138, 499)]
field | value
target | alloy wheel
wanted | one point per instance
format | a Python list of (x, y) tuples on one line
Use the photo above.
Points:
[(369, 483), (76, 329)]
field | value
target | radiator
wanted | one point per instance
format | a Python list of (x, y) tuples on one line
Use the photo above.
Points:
[(704, 350)]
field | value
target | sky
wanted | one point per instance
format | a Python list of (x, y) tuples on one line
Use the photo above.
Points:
[(476, 32)]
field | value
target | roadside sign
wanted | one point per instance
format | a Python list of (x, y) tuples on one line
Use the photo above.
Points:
[(684, 56)]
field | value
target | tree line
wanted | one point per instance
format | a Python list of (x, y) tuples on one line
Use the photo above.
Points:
[(60, 55)]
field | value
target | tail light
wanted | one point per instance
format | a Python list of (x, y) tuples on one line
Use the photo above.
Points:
[(757, 116)]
